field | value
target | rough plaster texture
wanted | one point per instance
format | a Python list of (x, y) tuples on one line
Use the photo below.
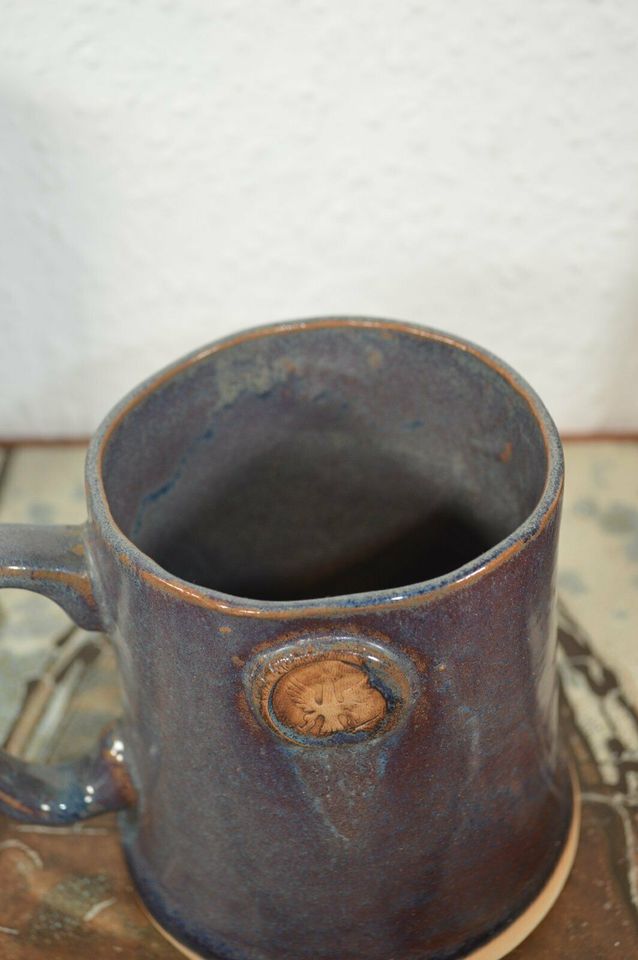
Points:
[(173, 171)]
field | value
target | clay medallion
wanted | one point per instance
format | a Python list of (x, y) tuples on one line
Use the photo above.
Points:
[(326, 697), (313, 690)]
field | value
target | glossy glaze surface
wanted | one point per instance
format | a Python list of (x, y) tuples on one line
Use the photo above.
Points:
[(418, 820)]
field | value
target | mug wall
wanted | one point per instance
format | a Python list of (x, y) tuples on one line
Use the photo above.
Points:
[(369, 774), (418, 841), (335, 460)]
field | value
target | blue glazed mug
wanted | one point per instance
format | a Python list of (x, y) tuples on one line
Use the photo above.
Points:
[(325, 553)]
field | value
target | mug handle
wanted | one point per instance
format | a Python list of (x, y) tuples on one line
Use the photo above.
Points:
[(51, 560)]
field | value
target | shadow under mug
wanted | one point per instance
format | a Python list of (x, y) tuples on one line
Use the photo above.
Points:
[(325, 553)]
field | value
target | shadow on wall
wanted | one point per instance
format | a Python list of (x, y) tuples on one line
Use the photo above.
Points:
[(69, 238), (54, 199), (575, 341)]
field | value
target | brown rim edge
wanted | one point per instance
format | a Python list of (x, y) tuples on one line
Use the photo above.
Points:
[(510, 938), (241, 606), (569, 436)]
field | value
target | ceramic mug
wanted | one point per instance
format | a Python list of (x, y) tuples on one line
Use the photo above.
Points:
[(325, 553)]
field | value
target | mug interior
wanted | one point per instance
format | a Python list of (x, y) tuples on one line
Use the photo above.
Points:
[(325, 460)]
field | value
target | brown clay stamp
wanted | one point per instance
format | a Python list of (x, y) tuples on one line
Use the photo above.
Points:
[(328, 697)]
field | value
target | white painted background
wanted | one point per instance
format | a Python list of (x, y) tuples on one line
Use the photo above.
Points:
[(174, 171)]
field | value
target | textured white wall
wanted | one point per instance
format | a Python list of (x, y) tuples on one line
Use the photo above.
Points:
[(173, 171)]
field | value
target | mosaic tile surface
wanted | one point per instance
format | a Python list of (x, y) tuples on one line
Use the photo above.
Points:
[(598, 560)]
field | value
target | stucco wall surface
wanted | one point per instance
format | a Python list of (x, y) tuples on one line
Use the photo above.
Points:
[(173, 171)]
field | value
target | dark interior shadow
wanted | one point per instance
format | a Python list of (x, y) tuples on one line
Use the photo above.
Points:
[(302, 522), (435, 545)]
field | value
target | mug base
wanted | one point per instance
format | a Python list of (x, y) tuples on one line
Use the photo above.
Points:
[(509, 938)]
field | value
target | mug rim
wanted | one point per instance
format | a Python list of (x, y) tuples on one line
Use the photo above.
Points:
[(422, 591)]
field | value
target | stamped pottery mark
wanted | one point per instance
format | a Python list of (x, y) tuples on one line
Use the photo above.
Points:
[(315, 690), (326, 697)]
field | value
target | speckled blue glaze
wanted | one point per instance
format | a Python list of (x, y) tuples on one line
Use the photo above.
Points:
[(223, 497)]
